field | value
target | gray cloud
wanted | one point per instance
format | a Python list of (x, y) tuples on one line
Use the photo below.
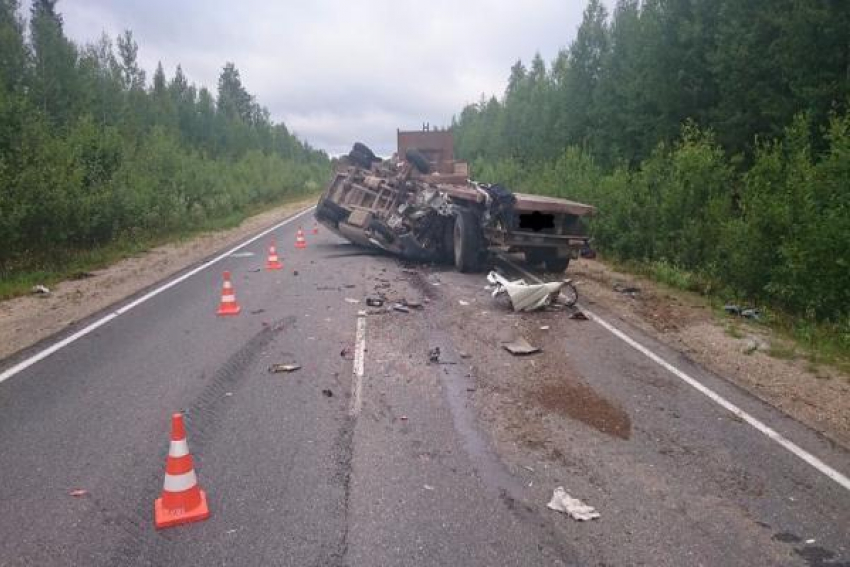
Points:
[(340, 71)]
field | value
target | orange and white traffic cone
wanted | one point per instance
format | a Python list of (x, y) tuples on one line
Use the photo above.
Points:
[(228, 305), (182, 499), (315, 227), (273, 263), (300, 241)]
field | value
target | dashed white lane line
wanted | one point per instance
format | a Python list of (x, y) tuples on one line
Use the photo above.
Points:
[(771, 433), (42, 354), (359, 365)]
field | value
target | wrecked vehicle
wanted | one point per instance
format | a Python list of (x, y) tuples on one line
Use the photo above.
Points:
[(421, 205)]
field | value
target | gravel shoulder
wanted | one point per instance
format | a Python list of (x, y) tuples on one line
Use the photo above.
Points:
[(25, 321), (730, 347)]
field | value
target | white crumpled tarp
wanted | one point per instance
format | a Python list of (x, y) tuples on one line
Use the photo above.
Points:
[(578, 510), (525, 297)]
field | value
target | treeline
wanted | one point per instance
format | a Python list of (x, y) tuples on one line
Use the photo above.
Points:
[(713, 136), (91, 151)]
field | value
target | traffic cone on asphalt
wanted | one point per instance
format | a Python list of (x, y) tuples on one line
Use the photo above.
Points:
[(228, 305), (300, 242), (315, 227), (273, 263), (182, 499)]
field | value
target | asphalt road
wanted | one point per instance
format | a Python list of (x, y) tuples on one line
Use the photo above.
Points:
[(447, 463)]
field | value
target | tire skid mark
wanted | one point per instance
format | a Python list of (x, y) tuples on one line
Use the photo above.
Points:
[(142, 544)]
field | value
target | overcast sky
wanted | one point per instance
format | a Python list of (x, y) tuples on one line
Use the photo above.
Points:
[(344, 70)]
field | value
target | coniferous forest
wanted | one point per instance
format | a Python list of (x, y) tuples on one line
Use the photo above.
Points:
[(713, 136), (93, 151)]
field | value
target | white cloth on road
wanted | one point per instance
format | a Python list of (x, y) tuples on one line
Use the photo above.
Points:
[(563, 502)]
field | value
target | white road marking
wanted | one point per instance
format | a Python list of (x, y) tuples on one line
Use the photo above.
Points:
[(359, 365), (771, 433), (42, 354)]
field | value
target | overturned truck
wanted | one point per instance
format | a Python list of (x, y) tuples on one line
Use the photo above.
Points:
[(421, 205)]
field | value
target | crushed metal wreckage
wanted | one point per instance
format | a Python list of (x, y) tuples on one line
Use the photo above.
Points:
[(421, 205), (530, 297)]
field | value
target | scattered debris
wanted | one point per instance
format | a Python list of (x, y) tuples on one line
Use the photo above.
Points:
[(529, 297), (520, 347), (403, 418), (257, 311), (751, 314), (351, 300), (400, 308), (464, 354), (328, 393), (462, 302), (255, 270), (349, 286), (627, 289), (40, 290), (528, 468), (241, 254), (578, 510), (544, 328), (747, 313), (233, 531), (277, 368), (413, 304), (294, 272), (427, 487), (78, 493), (434, 355), (579, 316), (228, 394), (374, 301), (346, 353), (470, 388)]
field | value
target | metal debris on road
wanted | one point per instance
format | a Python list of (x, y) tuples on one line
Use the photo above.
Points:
[(544, 328), (462, 302), (464, 354), (241, 254), (351, 300), (627, 289), (520, 347), (427, 487), (277, 368), (575, 508), (257, 311), (78, 493), (400, 308), (434, 355), (328, 393), (255, 270), (530, 297), (40, 290)]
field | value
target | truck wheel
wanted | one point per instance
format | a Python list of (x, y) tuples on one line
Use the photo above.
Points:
[(419, 160), (556, 264), (468, 242), (535, 256)]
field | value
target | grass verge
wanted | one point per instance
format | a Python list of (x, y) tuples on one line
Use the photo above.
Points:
[(818, 342), (77, 264)]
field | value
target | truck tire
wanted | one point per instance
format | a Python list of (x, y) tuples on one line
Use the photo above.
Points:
[(535, 256), (548, 257), (362, 156), (418, 160), (556, 264), (468, 242)]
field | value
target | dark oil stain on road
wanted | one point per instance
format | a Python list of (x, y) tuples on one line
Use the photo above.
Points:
[(580, 402)]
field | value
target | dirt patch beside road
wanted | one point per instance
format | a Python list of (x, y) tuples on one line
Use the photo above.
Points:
[(733, 348), (26, 320)]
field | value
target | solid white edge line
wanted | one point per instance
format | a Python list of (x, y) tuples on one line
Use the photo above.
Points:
[(759, 425), (358, 367), (42, 354)]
